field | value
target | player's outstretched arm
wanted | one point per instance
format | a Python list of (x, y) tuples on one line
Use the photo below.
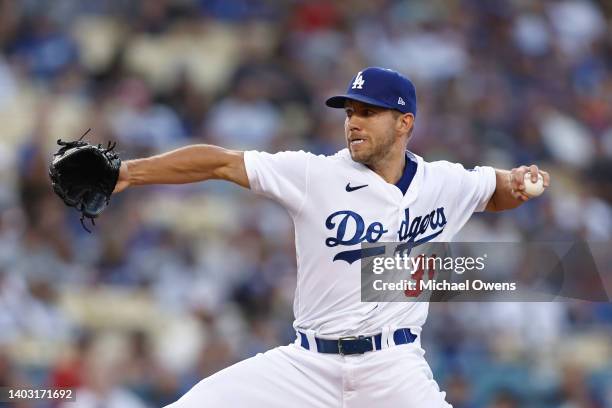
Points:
[(187, 164), (510, 188)]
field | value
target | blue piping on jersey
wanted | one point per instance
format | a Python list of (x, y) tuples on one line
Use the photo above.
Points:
[(409, 171)]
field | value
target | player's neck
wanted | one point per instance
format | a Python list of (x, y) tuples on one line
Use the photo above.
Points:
[(391, 167)]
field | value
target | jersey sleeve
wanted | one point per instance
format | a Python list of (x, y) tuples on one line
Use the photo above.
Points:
[(475, 188), (281, 176)]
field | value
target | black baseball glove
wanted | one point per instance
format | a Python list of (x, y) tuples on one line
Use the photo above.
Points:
[(84, 176)]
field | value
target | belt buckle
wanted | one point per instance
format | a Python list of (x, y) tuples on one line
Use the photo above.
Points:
[(340, 349)]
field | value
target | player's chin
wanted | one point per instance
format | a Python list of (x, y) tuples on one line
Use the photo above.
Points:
[(359, 155)]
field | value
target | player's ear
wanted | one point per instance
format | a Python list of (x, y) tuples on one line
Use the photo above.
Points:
[(404, 123)]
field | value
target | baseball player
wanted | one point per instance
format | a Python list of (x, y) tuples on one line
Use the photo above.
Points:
[(346, 353)]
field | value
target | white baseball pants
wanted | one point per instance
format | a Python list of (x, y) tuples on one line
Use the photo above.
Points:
[(396, 376)]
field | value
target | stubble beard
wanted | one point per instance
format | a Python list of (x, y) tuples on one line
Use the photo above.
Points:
[(377, 154)]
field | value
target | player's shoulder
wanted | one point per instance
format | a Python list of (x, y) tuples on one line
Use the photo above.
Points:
[(300, 158), (444, 166), (288, 153), (339, 161), (444, 171), (453, 172), (342, 156)]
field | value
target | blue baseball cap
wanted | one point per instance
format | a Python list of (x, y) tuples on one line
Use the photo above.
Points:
[(379, 87)]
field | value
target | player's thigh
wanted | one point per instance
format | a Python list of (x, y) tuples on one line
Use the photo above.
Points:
[(398, 376), (284, 376)]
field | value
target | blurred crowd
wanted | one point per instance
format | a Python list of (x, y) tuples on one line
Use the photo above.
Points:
[(177, 282)]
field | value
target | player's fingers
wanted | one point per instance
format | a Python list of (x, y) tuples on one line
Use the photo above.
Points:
[(512, 182), (518, 195), (514, 187), (534, 171), (546, 178), (518, 174)]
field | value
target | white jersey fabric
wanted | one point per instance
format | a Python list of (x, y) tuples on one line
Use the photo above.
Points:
[(336, 204)]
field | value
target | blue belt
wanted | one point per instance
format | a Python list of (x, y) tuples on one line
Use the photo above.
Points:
[(356, 344)]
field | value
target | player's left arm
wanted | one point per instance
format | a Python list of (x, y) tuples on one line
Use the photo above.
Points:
[(510, 187)]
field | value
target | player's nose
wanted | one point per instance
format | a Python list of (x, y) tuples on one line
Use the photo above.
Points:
[(353, 123)]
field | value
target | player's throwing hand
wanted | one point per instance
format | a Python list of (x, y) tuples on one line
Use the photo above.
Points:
[(516, 179)]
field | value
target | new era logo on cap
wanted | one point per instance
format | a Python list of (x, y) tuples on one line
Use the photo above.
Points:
[(385, 88)]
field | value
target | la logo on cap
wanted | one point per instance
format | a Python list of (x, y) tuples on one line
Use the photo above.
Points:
[(359, 81), (400, 101)]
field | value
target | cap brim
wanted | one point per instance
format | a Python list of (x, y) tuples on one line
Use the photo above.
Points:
[(338, 101)]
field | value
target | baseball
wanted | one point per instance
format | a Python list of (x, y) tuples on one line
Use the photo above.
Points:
[(534, 189)]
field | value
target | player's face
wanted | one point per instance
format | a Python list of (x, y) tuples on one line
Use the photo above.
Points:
[(370, 132)]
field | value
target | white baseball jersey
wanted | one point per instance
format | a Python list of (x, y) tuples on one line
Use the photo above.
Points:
[(336, 204)]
